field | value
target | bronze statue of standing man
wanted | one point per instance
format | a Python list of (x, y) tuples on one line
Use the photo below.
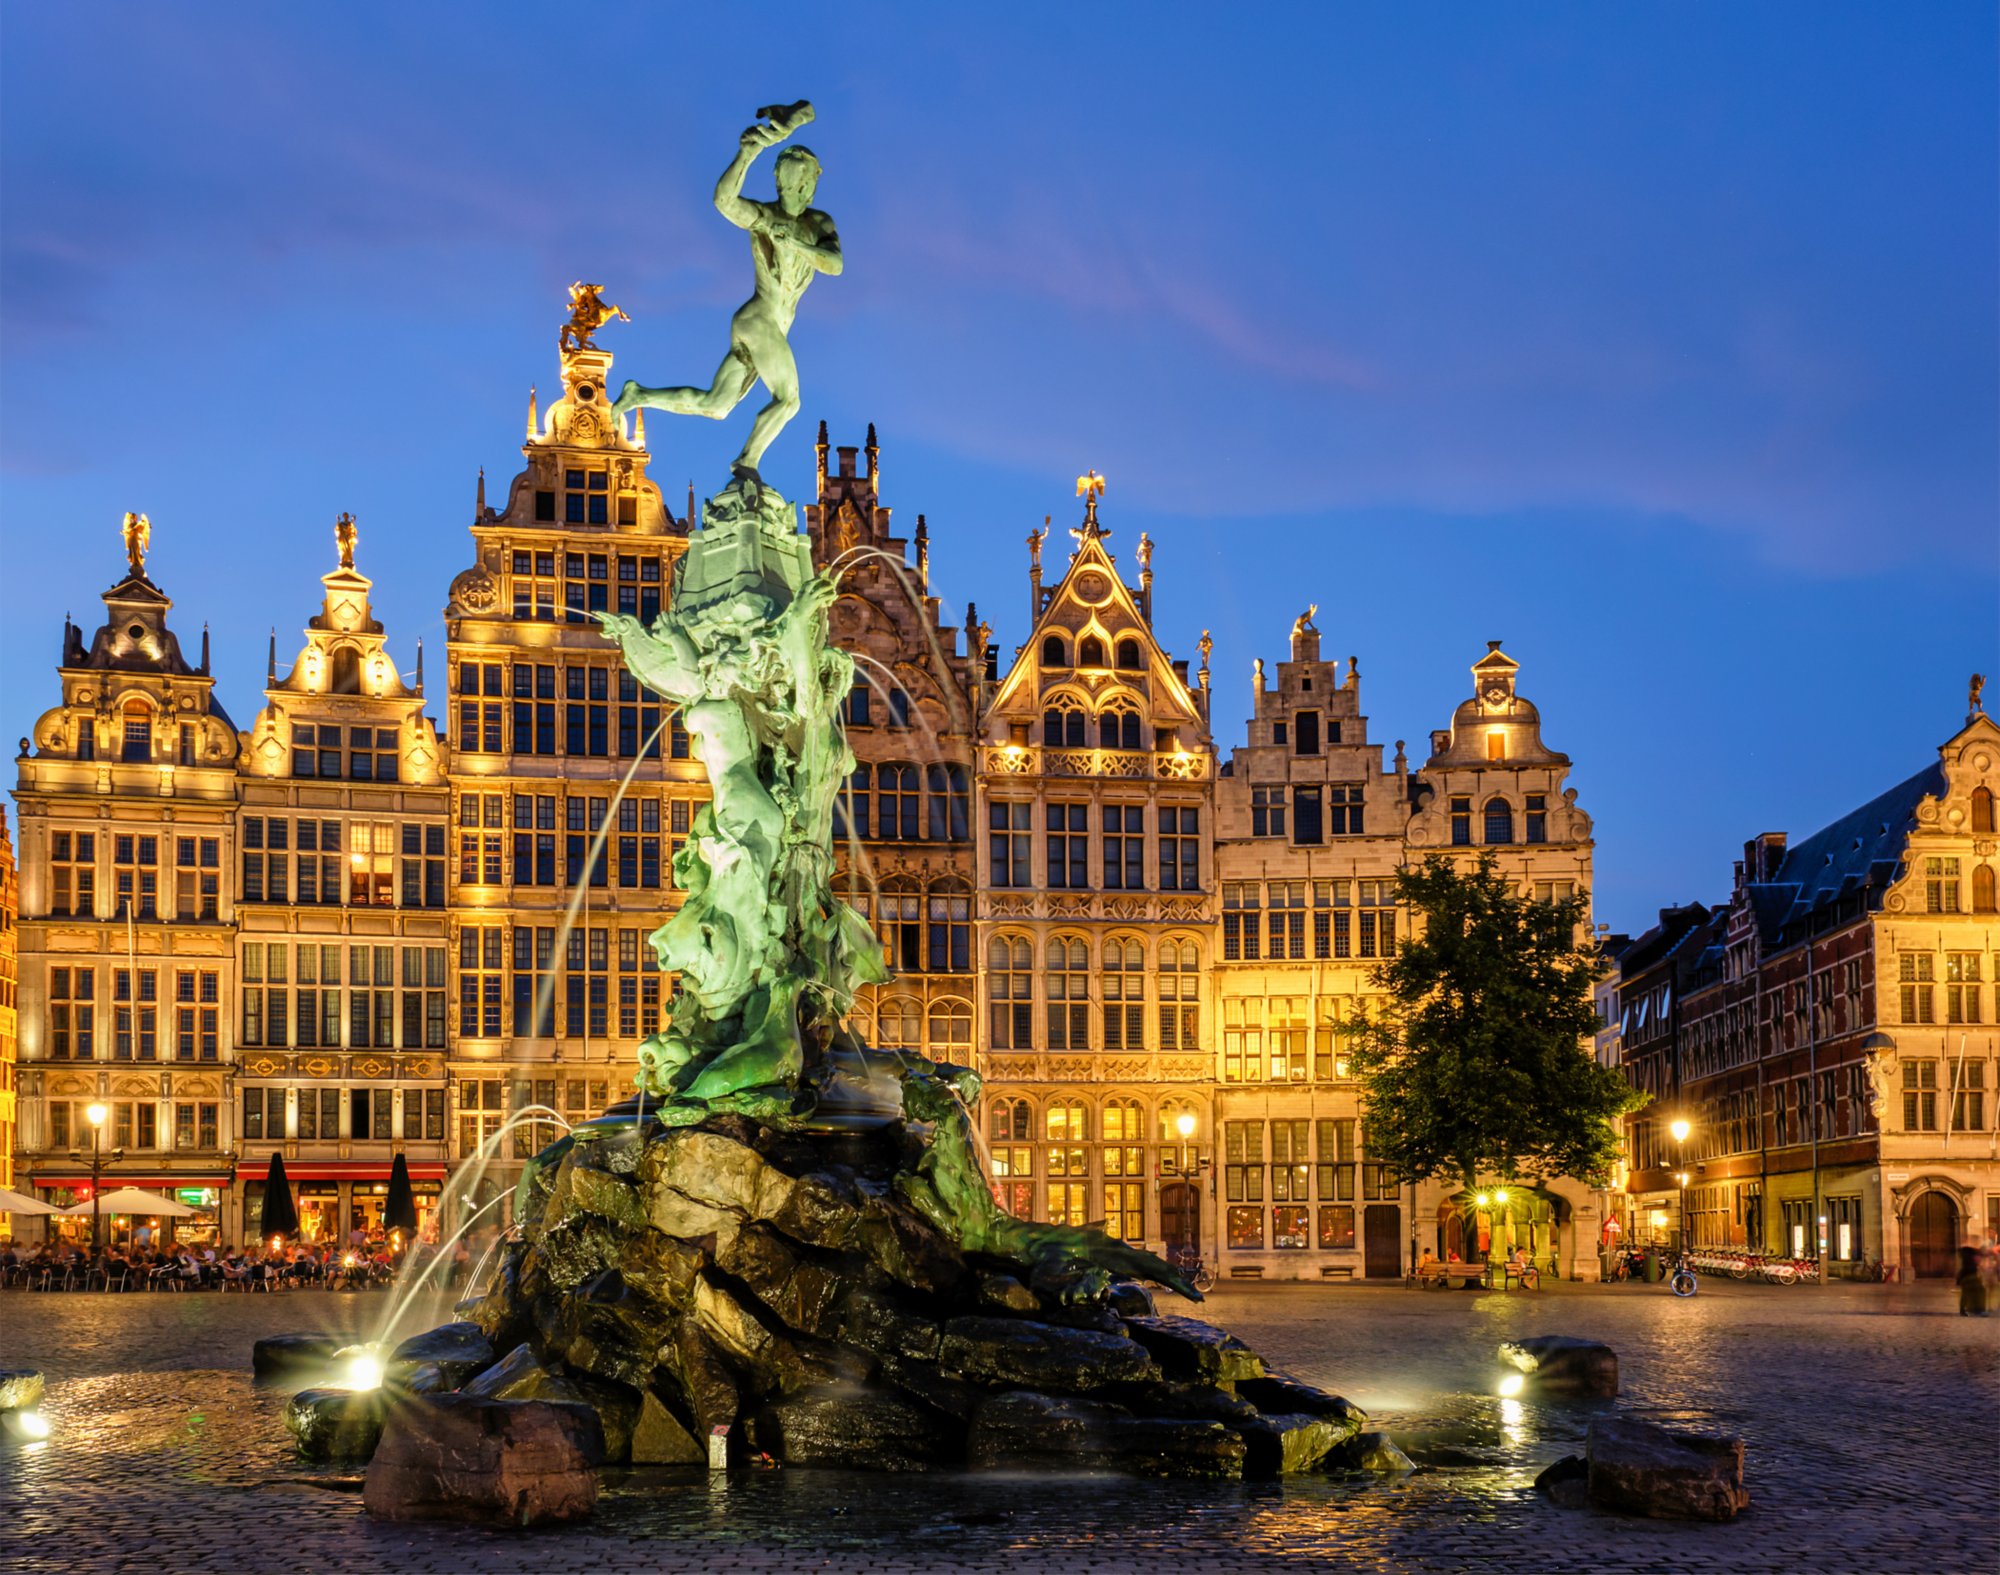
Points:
[(790, 241)]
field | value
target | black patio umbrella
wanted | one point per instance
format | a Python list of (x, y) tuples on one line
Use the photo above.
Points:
[(281, 1215), (400, 1212)]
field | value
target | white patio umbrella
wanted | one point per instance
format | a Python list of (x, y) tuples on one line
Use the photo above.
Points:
[(12, 1202), (130, 1200)]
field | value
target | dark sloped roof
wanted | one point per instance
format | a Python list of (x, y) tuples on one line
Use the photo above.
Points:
[(1862, 850)]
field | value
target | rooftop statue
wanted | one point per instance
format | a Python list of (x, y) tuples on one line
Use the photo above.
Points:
[(588, 312), (138, 532), (790, 241)]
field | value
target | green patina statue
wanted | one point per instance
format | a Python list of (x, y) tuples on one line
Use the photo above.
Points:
[(790, 241), (769, 957)]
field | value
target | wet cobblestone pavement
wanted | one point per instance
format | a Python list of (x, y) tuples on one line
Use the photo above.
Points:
[(1871, 1416)]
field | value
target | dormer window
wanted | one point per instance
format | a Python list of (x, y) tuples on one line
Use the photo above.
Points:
[(137, 745), (1280, 733), (587, 497), (1128, 655), (1054, 652), (1308, 733), (1496, 744), (1090, 652)]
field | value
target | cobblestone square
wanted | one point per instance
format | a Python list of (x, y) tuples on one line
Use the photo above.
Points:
[(1871, 1415)]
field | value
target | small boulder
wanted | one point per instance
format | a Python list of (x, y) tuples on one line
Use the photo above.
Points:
[(1640, 1469), (1130, 1299), (292, 1355), (855, 1429), (876, 1324), (520, 1375), (659, 1439), (1280, 1393), (421, 1378), (1283, 1446), (1371, 1451), (1558, 1364), (461, 1350), (496, 1462), (1002, 1293), (819, 1213), (337, 1424), (1034, 1355), (21, 1388), (1566, 1482), (1021, 1430), (582, 1188), (1190, 1349)]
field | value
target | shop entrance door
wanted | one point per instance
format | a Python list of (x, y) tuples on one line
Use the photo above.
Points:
[(1934, 1237), (1382, 1241), (1180, 1217)]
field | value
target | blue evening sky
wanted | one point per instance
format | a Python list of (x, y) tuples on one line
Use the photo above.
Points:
[(1659, 341)]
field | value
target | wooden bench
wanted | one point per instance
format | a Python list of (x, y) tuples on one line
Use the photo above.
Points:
[(1439, 1276)]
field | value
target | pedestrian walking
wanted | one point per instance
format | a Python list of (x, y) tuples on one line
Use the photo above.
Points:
[(1971, 1286)]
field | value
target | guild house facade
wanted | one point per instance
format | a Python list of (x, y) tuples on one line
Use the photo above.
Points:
[(1827, 1034), (359, 929)]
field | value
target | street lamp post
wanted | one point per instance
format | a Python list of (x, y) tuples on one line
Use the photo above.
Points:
[(95, 1113), (1680, 1129)]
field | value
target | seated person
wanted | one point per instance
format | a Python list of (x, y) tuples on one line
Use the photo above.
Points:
[(1523, 1270)]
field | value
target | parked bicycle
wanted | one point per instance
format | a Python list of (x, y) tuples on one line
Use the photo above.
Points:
[(1683, 1282), (1188, 1261)]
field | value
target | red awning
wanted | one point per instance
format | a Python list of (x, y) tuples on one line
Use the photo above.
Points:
[(338, 1170), (111, 1181)]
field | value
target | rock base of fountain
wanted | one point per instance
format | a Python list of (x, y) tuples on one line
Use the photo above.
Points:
[(773, 1290)]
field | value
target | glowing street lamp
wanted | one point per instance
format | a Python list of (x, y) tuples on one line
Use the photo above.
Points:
[(96, 1113), (1184, 1124), (1680, 1129)]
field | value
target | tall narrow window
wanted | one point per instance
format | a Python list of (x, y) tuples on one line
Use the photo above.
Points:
[(1007, 844), (1124, 994), (1010, 987), (1306, 818), (1305, 733), (1067, 985), (950, 928), (1180, 995), (1461, 822), (1180, 847), (1124, 847), (1067, 830), (1499, 822)]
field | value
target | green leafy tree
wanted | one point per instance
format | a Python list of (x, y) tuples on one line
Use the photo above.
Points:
[(1478, 1063)]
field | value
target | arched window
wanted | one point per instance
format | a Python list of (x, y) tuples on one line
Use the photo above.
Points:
[(1054, 652), (951, 1033), (1068, 1121), (1180, 995), (1010, 1121), (1090, 651), (1124, 1169), (899, 1024), (1118, 730), (1984, 897), (949, 814), (1010, 988), (1128, 655), (898, 808), (899, 921), (1499, 821), (1124, 993), (137, 743), (1982, 809), (950, 915), (1068, 994), (1066, 1125), (1062, 726), (850, 806), (346, 672)]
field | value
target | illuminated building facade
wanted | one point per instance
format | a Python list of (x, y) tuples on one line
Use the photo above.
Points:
[(545, 726), (127, 797), (1828, 1036), (10, 995), (343, 957), (1311, 829), (903, 834), (1096, 805)]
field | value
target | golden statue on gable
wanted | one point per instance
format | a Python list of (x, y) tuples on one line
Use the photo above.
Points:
[(344, 535), (138, 531), (588, 312)]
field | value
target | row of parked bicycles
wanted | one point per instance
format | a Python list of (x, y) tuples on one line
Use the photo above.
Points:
[(1755, 1266)]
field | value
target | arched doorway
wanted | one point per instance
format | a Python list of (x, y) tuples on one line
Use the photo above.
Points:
[(1180, 1216), (1933, 1231)]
